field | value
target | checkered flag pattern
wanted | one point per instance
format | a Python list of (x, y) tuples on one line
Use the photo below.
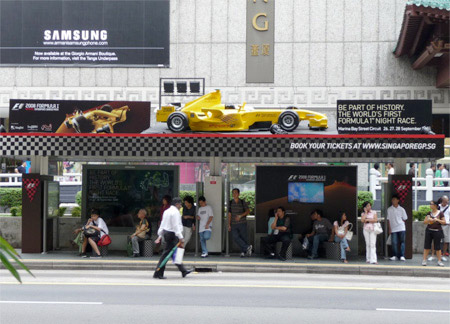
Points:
[(402, 188), (227, 146), (31, 186)]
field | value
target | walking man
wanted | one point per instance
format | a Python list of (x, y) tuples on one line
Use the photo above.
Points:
[(188, 219), (171, 229), (396, 215), (237, 222)]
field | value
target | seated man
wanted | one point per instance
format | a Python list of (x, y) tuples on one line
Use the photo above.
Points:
[(142, 232), (281, 232), (321, 233)]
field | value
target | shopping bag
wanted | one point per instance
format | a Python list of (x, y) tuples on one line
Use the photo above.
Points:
[(130, 249), (305, 243), (178, 256)]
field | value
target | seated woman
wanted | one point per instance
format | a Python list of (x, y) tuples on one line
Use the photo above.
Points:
[(340, 229), (94, 229), (141, 233), (281, 227)]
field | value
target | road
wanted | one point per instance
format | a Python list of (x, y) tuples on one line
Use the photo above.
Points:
[(133, 296)]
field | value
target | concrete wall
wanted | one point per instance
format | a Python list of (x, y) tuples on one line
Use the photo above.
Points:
[(324, 50), (11, 230)]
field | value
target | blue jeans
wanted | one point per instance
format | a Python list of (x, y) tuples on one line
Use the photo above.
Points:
[(344, 245), (204, 236), (316, 239), (398, 237), (239, 234)]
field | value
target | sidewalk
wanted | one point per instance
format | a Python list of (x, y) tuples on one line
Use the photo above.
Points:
[(69, 260)]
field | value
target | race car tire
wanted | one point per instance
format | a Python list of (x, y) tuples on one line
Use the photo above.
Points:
[(177, 122), (105, 129), (106, 108), (82, 124), (289, 121), (68, 124)]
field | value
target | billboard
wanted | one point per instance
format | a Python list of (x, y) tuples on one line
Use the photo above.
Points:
[(76, 116), (119, 191), (383, 116), (84, 33)]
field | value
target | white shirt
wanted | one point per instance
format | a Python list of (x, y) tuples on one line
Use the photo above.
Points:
[(391, 171), (100, 223), (171, 222), (444, 173), (204, 213), (446, 213), (396, 218), (377, 173)]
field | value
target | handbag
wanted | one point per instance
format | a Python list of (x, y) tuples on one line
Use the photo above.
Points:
[(90, 232), (349, 235), (177, 257), (377, 229), (104, 240)]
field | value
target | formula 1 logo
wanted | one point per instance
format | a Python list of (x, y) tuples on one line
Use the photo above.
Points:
[(47, 128), (401, 188), (18, 106), (31, 186)]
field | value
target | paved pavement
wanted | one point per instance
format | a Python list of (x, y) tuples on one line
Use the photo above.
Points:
[(133, 296), (67, 260)]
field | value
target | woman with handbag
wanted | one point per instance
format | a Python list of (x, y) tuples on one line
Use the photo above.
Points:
[(433, 233), (94, 229), (341, 230), (369, 219)]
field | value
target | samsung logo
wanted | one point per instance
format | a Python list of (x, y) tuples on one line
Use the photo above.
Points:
[(75, 35)]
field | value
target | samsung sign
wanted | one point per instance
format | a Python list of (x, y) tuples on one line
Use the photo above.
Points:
[(85, 33)]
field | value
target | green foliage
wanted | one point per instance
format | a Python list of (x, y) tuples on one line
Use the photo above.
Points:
[(6, 250), (184, 193), (364, 196), (78, 198), (421, 212), (249, 198), (16, 211), (61, 211), (10, 197), (76, 211)]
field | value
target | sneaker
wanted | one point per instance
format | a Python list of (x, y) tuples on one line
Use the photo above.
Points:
[(242, 255), (394, 258), (84, 255), (440, 264), (424, 262), (204, 255), (444, 259), (282, 258), (402, 258), (249, 250), (431, 258)]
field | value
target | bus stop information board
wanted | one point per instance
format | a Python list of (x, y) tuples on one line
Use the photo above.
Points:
[(383, 116)]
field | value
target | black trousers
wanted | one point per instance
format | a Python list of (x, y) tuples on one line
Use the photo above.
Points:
[(268, 243), (170, 241)]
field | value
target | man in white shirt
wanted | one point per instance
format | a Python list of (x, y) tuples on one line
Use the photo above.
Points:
[(376, 170), (445, 209), (205, 217), (171, 229), (396, 216), (444, 174), (390, 168)]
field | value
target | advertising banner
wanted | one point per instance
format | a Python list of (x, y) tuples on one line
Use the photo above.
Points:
[(85, 33), (120, 191), (76, 116), (383, 116), (302, 189)]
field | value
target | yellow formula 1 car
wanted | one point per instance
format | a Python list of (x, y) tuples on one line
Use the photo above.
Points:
[(207, 113), (95, 120)]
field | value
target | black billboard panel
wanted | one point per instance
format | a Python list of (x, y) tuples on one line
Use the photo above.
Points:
[(384, 116), (77, 116), (85, 33)]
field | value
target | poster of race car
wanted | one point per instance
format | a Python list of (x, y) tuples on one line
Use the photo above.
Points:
[(85, 33), (76, 116)]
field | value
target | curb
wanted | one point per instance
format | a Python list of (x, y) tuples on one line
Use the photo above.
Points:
[(250, 267)]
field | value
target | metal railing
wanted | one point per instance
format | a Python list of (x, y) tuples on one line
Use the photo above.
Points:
[(14, 179)]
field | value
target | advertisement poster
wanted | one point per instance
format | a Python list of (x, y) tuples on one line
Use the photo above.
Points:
[(75, 116), (302, 189), (120, 191), (383, 116), (85, 33)]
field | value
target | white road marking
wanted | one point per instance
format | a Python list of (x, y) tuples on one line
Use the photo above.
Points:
[(413, 310), (48, 302)]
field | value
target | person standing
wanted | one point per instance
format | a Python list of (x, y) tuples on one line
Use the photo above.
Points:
[(171, 229), (444, 208), (390, 168), (437, 174), (444, 174), (205, 216), (368, 218), (433, 233), (188, 218), (396, 216), (237, 222), (376, 171)]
